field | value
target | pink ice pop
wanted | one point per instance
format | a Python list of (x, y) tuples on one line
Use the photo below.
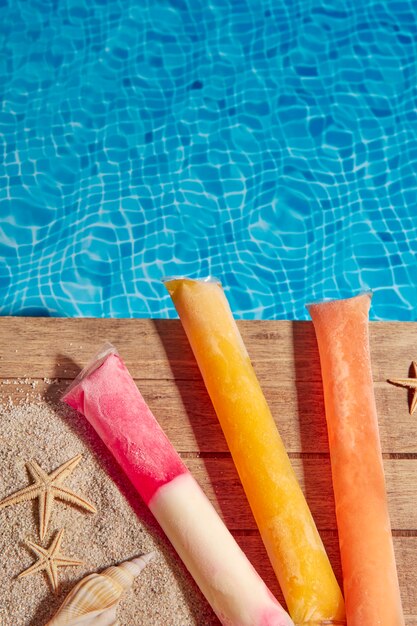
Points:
[(107, 396)]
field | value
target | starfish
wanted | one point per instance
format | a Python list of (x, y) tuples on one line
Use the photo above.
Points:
[(47, 487), (410, 383), (49, 560)]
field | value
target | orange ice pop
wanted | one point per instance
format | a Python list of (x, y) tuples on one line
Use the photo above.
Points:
[(371, 587), (278, 504)]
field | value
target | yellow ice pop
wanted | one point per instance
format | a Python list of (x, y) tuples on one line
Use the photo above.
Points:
[(284, 520)]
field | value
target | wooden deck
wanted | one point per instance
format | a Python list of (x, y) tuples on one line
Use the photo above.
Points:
[(286, 360)]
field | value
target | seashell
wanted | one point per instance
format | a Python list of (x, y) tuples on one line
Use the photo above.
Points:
[(94, 600)]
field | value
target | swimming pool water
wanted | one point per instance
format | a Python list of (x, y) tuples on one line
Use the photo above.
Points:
[(271, 144)]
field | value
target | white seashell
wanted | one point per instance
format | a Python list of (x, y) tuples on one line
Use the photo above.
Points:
[(95, 598)]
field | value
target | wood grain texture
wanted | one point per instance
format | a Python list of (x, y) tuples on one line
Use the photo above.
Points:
[(145, 345), (185, 412), (286, 360)]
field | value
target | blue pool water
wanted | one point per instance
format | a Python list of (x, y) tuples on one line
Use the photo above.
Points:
[(269, 143)]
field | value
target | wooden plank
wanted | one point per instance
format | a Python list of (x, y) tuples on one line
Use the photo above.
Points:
[(298, 412), (57, 347), (220, 481), (184, 410)]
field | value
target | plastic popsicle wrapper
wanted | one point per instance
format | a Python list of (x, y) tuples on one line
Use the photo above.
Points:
[(107, 396), (281, 512), (371, 587)]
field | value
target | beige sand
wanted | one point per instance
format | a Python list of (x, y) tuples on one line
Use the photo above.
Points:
[(36, 425)]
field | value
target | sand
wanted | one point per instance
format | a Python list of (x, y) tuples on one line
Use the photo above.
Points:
[(35, 425)]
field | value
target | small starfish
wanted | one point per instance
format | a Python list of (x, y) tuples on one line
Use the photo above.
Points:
[(47, 487), (49, 560), (410, 383)]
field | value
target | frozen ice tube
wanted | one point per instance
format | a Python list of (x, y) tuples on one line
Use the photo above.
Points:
[(108, 397), (371, 587), (284, 520)]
